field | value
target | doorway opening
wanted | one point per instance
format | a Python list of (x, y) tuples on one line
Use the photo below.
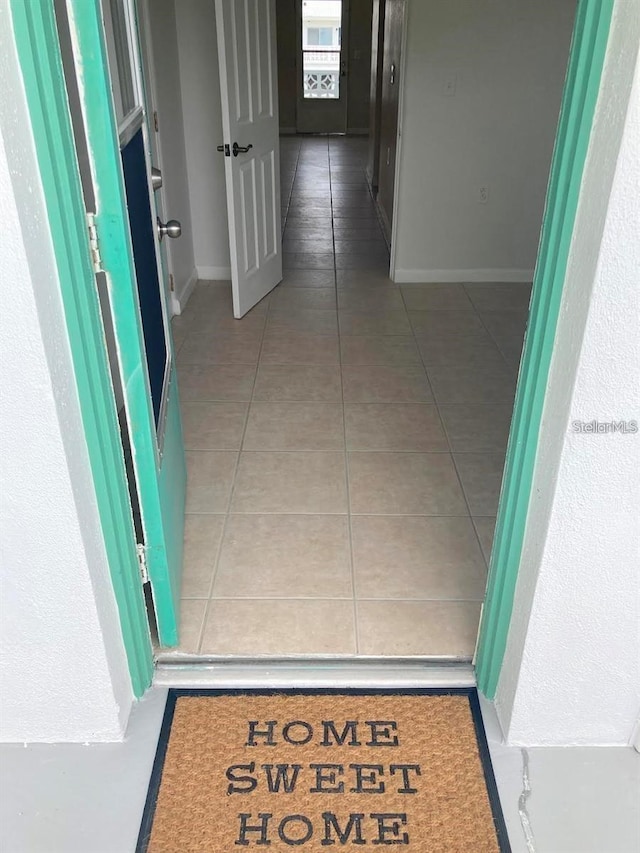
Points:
[(376, 410), (328, 204), (322, 37)]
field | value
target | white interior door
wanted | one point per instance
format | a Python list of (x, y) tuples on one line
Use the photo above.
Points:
[(248, 83)]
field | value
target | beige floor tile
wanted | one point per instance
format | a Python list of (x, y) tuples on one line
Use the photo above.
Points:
[(216, 297), (354, 232), (481, 476), (298, 382), (435, 297), (278, 627), (307, 261), (299, 348), (418, 628), (300, 482), (363, 298), (465, 347), (213, 426), (479, 382), (366, 278), (283, 556), (394, 426), (499, 296), (404, 484), (179, 333), (318, 321), (417, 558), (295, 298), (308, 277), (209, 480), (223, 322), (295, 426), (192, 612), (202, 382), (221, 348), (477, 427), (202, 535), (485, 525), (382, 321), (319, 231), (365, 261), (305, 247), (379, 349), (400, 383), (443, 323)]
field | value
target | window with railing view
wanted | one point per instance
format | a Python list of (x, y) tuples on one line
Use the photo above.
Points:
[(321, 44)]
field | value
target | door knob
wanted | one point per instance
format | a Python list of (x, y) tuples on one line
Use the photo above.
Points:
[(156, 178), (172, 228), (240, 149)]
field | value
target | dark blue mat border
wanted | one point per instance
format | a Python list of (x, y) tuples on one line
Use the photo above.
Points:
[(470, 692)]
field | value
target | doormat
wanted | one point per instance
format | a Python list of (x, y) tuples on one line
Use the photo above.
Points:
[(313, 770)]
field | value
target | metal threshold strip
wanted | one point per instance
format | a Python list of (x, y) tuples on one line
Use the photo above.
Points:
[(268, 672)]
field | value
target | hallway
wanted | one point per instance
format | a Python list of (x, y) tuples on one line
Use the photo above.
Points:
[(345, 440)]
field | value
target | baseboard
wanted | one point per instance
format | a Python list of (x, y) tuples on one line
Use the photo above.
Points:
[(214, 273), (287, 131), (404, 276), (358, 131), (384, 221), (180, 295)]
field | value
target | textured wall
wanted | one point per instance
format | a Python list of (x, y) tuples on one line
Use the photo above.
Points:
[(571, 673), (63, 669)]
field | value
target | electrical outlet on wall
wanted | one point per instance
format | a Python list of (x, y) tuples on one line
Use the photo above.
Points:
[(483, 194)]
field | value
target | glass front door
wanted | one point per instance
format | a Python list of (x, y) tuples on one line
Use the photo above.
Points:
[(323, 72)]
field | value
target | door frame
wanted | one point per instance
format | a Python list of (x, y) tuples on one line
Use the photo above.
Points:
[(580, 94), (36, 39)]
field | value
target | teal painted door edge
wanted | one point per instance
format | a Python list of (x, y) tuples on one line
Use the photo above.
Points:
[(39, 55), (582, 84)]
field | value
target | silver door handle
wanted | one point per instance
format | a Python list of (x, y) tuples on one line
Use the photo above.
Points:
[(392, 75), (172, 228)]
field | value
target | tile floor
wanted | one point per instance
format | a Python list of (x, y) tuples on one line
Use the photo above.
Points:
[(345, 440)]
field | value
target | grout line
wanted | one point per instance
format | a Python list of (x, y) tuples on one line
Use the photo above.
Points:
[(354, 598), (216, 564), (446, 434)]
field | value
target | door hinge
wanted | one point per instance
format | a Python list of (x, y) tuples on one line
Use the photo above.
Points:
[(155, 120), (94, 247), (171, 283), (142, 562)]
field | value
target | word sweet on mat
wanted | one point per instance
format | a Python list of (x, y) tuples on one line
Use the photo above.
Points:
[(376, 827)]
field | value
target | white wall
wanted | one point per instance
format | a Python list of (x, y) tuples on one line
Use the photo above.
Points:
[(63, 670), (200, 83), (174, 161), (571, 673), (506, 60)]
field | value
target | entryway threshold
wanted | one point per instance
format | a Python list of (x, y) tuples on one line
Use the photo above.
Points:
[(317, 672)]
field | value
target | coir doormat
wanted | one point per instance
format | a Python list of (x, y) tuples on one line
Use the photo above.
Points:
[(315, 770)]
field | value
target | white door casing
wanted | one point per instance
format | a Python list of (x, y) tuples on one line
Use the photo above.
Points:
[(246, 33)]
